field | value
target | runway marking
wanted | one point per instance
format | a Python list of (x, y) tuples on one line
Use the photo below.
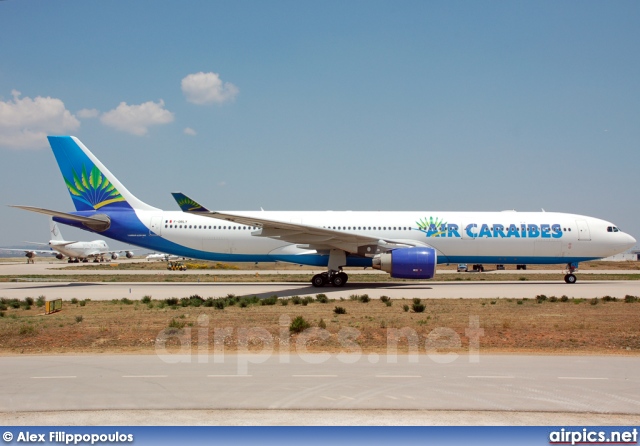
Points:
[(144, 376), (314, 376), (491, 376), (328, 398), (398, 376), (53, 377), (229, 376), (392, 397), (582, 377)]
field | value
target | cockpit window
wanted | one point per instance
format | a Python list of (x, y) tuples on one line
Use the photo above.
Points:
[(612, 229)]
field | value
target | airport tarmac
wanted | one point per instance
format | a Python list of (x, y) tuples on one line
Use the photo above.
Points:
[(549, 386), (395, 290), (144, 389)]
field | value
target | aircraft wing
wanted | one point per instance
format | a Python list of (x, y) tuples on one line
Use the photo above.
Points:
[(311, 237), (27, 251)]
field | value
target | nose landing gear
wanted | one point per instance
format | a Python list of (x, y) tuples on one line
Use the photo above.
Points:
[(570, 277)]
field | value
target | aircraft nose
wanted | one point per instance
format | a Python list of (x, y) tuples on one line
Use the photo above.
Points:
[(630, 242)]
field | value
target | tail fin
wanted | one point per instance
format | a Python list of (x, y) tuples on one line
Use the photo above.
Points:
[(90, 184), (55, 231)]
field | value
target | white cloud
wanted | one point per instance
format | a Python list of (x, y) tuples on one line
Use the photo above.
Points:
[(87, 113), (190, 131), (208, 88), (25, 122), (137, 119)]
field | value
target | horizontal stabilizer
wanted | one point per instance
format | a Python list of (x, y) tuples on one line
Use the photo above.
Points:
[(97, 222)]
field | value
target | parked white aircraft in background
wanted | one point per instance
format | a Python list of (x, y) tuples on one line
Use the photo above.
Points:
[(404, 244), (98, 250)]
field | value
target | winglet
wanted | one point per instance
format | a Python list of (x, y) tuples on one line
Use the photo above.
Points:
[(187, 204)]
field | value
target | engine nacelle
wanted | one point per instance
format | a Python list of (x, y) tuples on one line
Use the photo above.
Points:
[(114, 256), (129, 254), (408, 263), (59, 256)]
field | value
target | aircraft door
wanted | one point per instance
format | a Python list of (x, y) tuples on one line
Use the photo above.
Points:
[(583, 230), (156, 225)]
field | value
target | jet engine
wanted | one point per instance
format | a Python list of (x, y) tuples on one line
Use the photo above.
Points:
[(59, 256), (408, 263), (129, 254), (114, 256)]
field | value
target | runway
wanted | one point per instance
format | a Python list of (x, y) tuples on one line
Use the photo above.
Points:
[(395, 290), (566, 384)]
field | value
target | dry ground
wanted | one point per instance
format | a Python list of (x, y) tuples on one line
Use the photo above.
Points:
[(509, 325)]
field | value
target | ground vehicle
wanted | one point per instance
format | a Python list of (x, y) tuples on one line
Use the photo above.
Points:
[(176, 265), (462, 267)]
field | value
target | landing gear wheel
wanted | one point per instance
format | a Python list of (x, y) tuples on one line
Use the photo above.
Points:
[(318, 281), (570, 278), (338, 280), (345, 277)]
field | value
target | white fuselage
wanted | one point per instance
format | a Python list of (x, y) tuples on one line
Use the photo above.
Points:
[(489, 237)]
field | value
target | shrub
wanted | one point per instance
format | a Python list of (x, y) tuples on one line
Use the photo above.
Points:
[(208, 303), (176, 324), (296, 300), (322, 324), (630, 299), (385, 299), (388, 303), (365, 298), (307, 299), (27, 330), (405, 307), (243, 304), (608, 299), (541, 298), (79, 319), (354, 297), (74, 301), (269, 300), (126, 301), (172, 301), (299, 324), (418, 308), (553, 299), (416, 300), (29, 301), (150, 305), (564, 298), (284, 302), (594, 301), (340, 310), (322, 298), (218, 304), (146, 299), (519, 302), (83, 303), (3, 307)]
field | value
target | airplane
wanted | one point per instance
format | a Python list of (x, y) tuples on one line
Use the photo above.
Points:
[(404, 244), (75, 251)]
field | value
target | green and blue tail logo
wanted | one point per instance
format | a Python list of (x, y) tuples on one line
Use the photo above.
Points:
[(93, 188), (89, 187)]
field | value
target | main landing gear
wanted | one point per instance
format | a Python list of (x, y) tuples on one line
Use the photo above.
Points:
[(336, 278), (334, 274), (570, 277)]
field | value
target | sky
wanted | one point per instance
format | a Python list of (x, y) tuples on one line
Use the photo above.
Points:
[(333, 105)]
